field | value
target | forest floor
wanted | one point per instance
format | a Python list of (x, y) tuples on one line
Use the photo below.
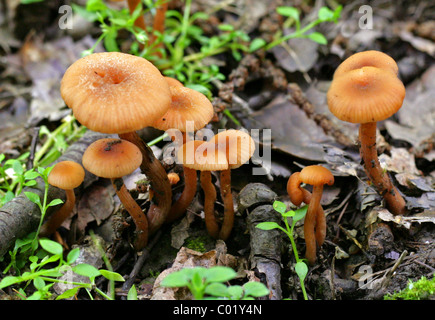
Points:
[(368, 252)]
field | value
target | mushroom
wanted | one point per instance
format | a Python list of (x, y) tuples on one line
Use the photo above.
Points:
[(238, 147), (66, 175), (187, 105), (197, 155), (315, 223), (365, 89), (113, 92), (296, 193), (113, 159)]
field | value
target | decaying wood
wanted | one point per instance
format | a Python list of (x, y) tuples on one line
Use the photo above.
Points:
[(20, 216), (265, 255)]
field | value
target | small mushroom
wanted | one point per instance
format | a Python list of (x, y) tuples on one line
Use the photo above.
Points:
[(187, 105), (113, 92), (315, 223), (66, 175), (296, 193), (196, 156), (113, 159), (238, 147), (365, 89)]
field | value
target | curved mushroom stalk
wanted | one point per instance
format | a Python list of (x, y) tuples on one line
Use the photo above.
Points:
[(186, 197), (227, 197), (139, 218), (310, 224), (380, 179), (159, 182), (209, 200)]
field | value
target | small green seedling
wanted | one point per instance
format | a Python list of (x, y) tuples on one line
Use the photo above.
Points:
[(208, 284), (301, 267), (48, 265)]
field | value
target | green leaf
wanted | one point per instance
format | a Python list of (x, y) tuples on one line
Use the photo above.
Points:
[(54, 202), (51, 246), (220, 274), (39, 283), (318, 37), (216, 289), (86, 270), (300, 213), (175, 279), (29, 175), (268, 225), (280, 206), (291, 12), (8, 281), (110, 275), (256, 44), (255, 289), (33, 197), (68, 293), (73, 255), (235, 292), (132, 293), (301, 270), (325, 14)]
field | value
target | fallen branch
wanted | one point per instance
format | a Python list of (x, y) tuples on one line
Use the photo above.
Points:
[(20, 216)]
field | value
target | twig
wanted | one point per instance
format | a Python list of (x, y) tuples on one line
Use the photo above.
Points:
[(35, 139), (139, 263)]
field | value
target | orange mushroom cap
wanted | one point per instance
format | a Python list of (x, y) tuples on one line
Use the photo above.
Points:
[(172, 82), (113, 92), (187, 105), (316, 175), (112, 158), (370, 58), (66, 175), (368, 94), (237, 145), (199, 155)]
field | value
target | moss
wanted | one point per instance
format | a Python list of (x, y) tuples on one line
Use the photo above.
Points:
[(422, 289), (196, 243)]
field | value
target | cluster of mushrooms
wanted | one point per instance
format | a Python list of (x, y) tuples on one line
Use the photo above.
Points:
[(118, 93)]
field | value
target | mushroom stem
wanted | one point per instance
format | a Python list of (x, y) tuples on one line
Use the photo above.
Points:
[(209, 200), (59, 216), (186, 197), (296, 193), (310, 224), (140, 21), (159, 23), (139, 218), (394, 201), (227, 197), (159, 182)]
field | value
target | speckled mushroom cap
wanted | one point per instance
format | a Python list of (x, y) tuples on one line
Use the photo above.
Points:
[(112, 158), (316, 175), (202, 156), (113, 92), (66, 175), (368, 94), (370, 58), (187, 105), (237, 145)]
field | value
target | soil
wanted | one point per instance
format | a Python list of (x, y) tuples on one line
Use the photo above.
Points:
[(367, 254)]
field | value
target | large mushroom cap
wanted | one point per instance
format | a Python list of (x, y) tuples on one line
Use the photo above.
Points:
[(113, 92), (202, 156), (112, 158), (368, 94), (66, 175), (370, 58), (187, 105), (237, 145), (316, 175)]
